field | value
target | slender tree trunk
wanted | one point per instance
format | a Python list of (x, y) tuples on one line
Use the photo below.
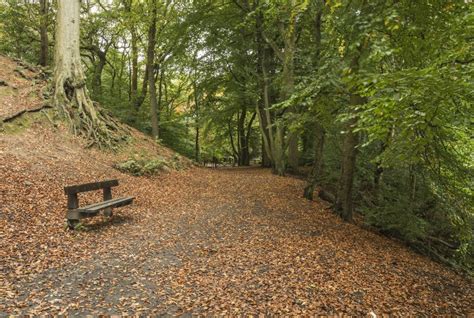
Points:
[(134, 70), (112, 82), (130, 81), (344, 202), (289, 83), (412, 185), (293, 152), (235, 153), (247, 139), (97, 77), (151, 69), (276, 138), (44, 32), (263, 100), (266, 162), (197, 150), (316, 170), (160, 93), (319, 131), (243, 147)]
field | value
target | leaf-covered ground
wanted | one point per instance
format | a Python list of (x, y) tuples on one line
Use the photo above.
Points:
[(202, 241)]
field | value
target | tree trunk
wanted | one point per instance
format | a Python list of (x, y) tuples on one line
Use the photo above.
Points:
[(278, 151), (134, 70), (243, 146), (287, 56), (288, 88), (319, 131), (70, 92), (266, 162), (97, 77), (197, 150), (151, 69), (235, 153), (293, 152), (349, 153), (160, 93), (44, 32), (263, 100), (247, 139), (316, 170)]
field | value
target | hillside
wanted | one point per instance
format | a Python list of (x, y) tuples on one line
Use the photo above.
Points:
[(38, 158), (195, 241)]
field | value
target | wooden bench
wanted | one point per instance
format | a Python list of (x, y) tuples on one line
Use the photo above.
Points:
[(76, 213)]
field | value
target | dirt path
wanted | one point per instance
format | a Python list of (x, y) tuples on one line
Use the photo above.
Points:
[(233, 241)]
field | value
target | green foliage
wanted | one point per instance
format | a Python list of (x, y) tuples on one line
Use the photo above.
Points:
[(396, 218), (19, 23), (143, 167)]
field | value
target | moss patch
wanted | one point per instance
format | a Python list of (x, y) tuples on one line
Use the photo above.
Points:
[(23, 122), (143, 167)]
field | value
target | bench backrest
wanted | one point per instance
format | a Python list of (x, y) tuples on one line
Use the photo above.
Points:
[(90, 186)]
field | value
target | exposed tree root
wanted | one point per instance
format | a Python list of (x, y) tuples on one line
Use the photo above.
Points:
[(23, 75), (85, 118), (15, 116)]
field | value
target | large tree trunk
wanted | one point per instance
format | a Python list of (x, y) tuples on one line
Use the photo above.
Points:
[(70, 92), (44, 32), (151, 76)]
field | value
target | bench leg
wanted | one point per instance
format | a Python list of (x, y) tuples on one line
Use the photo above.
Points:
[(108, 196), (72, 216), (71, 224)]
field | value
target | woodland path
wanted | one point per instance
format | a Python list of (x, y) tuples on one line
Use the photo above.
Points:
[(233, 241)]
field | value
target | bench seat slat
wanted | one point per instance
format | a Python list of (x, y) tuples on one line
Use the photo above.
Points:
[(114, 203)]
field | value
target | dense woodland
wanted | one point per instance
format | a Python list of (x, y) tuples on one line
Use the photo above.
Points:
[(370, 101)]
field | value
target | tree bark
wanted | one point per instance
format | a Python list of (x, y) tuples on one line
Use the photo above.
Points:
[(134, 70), (261, 103), (243, 146), (151, 69), (44, 32), (344, 202), (319, 131), (272, 129), (316, 170), (160, 92), (70, 93), (97, 76), (266, 162), (197, 150)]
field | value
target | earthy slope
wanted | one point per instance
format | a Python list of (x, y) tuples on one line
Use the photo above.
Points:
[(227, 241)]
